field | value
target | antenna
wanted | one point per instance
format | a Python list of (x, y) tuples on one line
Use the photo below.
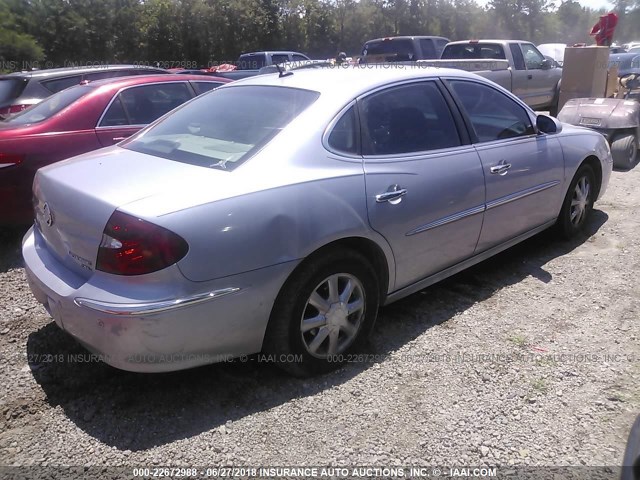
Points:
[(281, 72)]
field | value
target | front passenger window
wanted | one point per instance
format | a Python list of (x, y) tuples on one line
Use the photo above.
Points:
[(493, 115), (532, 57)]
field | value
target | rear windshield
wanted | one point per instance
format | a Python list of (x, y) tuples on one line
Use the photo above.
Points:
[(251, 62), (49, 106), (225, 127), (396, 49), (11, 88), (473, 51)]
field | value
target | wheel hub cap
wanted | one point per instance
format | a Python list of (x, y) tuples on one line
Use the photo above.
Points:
[(580, 201), (332, 316)]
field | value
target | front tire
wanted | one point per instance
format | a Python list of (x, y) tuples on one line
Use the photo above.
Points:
[(624, 150), (578, 203), (325, 310)]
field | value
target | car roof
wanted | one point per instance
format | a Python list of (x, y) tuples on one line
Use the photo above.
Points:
[(120, 82), (622, 57), (488, 40), (61, 72), (271, 52), (404, 37), (349, 82)]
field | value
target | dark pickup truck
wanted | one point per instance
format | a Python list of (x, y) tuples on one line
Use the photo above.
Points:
[(403, 49)]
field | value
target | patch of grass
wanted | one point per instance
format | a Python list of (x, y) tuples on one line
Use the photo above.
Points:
[(540, 385), (519, 340)]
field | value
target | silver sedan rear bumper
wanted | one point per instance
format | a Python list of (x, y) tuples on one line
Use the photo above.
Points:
[(225, 319)]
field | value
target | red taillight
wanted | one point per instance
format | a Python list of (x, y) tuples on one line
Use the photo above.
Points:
[(10, 159), (132, 246), (13, 109)]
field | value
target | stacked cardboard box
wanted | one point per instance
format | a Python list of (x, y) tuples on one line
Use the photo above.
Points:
[(584, 73)]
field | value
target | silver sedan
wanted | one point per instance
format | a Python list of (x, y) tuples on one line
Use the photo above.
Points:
[(276, 214)]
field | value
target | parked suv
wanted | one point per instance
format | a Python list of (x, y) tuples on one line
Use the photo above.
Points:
[(22, 89)]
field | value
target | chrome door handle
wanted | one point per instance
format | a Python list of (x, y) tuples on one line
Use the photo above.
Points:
[(393, 195), (501, 169), (118, 139)]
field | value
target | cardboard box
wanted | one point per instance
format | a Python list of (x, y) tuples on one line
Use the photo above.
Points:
[(612, 82), (585, 71)]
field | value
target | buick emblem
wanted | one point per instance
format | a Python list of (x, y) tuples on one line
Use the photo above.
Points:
[(47, 215)]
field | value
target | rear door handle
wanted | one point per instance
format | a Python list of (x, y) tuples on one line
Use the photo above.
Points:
[(530, 76), (393, 195), (500, 169), (118, 139)]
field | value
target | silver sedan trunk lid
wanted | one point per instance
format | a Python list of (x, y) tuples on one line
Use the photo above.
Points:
[(74, 199)]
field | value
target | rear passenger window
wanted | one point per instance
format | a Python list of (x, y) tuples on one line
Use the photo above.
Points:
[(428, 48), (115, 115), (299, 58), (344, 133), (147, 103), (405, 119), (279, 58), (494, 116), (203, 87), (60, 84)]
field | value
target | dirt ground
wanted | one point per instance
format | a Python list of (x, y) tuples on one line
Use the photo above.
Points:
[(530, 358)]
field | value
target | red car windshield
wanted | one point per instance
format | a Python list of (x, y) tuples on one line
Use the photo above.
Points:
[(49, 106)]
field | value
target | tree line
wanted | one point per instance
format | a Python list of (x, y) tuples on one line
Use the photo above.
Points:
[(202, 32)]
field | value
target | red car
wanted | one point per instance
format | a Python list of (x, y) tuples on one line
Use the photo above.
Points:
[(79, 119)]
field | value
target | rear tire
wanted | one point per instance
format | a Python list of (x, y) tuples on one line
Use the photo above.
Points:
[(325, 310), (624, 150), (578, 203)]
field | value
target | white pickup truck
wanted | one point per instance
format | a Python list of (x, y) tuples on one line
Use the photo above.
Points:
[(517, 66)]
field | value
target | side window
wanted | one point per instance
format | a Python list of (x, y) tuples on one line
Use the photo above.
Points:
[(60, 84), (409, 118), (202, 87), (440, 44), (299, 58), (92, 77), (115, 116), (494, 116), (428, 48), (532, 57), (343, 136), (147, 103), (279, 58), (518, 59)]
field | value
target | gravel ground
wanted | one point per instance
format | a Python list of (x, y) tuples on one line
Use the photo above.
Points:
[(530, 358)]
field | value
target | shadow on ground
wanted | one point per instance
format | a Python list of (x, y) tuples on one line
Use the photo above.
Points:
[(140, 411), (10, 248)]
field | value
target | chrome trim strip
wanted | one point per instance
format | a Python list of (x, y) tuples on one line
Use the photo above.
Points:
[(5, 165), (436, 277), (522, 194), (135, 309), (446, 220)]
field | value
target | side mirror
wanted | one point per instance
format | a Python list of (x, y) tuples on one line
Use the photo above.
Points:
[(548, 125), (547, 64)]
